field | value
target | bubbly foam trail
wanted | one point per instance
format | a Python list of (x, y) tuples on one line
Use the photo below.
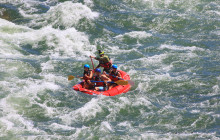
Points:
[(181, 48), (135, 34)]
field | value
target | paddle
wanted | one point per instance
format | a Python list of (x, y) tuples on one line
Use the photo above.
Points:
[(71, 77), (130, 82), (119, 82), (92, 63)]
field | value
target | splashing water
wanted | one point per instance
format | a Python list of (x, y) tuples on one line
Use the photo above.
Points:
[(169, 48)]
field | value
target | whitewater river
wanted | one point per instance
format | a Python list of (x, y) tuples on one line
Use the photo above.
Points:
[(170, 48)]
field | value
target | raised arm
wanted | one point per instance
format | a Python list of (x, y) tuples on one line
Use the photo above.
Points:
[(105, 78), (94, 57)]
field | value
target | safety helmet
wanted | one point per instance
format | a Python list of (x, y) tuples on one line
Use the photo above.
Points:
[(114, 66), (97, 70), (101, 52), (86, 66)]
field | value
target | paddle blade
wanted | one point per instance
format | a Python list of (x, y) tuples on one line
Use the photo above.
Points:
[(130, 82), (71, 77), (121, 82)]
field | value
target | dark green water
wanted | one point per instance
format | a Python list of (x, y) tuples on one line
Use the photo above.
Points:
[(171, 49)]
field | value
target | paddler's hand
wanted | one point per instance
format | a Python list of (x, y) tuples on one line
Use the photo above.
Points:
[(105, 74), (86, 76), (110, 71), (91, 56), (79, 77), (105, 82)]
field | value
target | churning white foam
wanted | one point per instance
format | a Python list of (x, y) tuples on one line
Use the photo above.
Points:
[(89, 3), (7, 45), (12, 122), (57, 127), (181, 48), (86, 112), (29, 8), (58, 43), (105, 126), (65, 14)]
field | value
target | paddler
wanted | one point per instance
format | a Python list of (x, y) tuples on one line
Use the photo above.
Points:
[(104, 61), (100, 86), (114, 75), (87, 76)]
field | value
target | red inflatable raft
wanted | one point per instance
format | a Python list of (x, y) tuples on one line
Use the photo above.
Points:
[(112, 92)]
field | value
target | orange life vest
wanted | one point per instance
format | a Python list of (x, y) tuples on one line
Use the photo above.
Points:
[(113, 75), (86, 73), (105, 64), (98, 84)]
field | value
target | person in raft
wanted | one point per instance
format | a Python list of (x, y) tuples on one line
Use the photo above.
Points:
[(100, 86), (104, 61), (114, 75), (87, 76)]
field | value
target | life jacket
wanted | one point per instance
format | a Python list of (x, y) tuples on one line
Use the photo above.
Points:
[(113, 75), (105, 64), (98, 78), (87, 73)]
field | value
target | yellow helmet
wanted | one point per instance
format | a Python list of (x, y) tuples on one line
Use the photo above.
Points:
[(101, 52)]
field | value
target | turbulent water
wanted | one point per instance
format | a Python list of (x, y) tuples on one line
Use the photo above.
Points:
[(170, 48)]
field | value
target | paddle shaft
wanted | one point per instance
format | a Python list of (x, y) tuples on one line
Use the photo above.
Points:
[(102, 81), (115, 76), (92, 63), (129, 81), (119, 82)]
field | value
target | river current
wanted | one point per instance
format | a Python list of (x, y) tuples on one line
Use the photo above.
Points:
[(170, 49)]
